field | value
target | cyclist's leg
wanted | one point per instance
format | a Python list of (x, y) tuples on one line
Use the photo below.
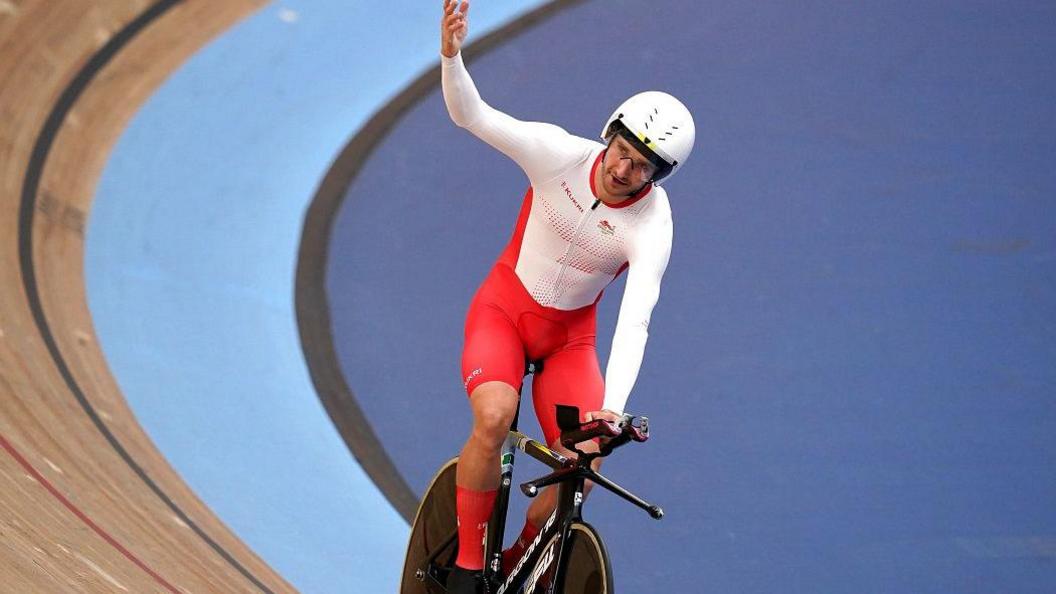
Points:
[(570, 376), (477, 477), (494, 405), (492, 364)]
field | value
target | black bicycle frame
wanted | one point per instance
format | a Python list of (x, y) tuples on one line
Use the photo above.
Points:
[(540, 555), (570, 477)]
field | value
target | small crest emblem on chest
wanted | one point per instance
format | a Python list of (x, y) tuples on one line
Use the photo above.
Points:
[(606, 228)]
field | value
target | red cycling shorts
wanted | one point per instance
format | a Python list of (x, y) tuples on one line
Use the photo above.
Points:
[(505, 327)]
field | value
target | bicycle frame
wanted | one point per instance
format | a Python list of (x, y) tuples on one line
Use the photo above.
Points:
[(549, 554), (537, 558), (570, 476)]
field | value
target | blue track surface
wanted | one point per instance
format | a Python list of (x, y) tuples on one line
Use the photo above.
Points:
[(190, 261), (850, 372)]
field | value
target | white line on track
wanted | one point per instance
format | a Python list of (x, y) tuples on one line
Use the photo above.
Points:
[(100, 571), (179, 522), (53, 466)]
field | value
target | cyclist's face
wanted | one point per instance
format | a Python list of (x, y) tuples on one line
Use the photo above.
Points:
[(626, 171)]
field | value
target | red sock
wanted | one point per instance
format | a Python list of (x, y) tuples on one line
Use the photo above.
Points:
[(512, 554), (474, 511)]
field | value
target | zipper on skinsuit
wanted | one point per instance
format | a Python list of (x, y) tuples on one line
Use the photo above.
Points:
[(568, 250)]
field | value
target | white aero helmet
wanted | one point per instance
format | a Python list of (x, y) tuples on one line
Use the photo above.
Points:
[(658, 126)]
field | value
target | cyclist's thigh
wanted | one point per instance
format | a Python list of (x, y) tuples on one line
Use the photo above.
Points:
[(571, 377), (492, 349)]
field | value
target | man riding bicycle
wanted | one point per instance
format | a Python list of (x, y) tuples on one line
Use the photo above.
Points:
[(592, 211)]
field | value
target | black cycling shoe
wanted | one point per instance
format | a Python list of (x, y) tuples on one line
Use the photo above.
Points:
[(465, 581)]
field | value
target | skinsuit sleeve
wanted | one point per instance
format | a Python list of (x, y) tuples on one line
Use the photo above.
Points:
[(647, 258), (543, 151)]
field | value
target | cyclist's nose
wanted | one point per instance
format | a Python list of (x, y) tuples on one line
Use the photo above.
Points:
[(623, 168)]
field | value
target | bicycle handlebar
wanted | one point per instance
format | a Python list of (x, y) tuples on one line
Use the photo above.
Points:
[(612, 434)]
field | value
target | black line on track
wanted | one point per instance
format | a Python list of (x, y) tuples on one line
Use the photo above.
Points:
[(30, 189), (313, 307)]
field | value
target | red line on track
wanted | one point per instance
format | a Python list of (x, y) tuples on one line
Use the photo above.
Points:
[(83, 517)]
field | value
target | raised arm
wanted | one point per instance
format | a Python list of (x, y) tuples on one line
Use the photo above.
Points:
[(541, 150)]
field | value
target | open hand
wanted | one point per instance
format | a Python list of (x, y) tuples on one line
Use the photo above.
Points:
[(453, 27)]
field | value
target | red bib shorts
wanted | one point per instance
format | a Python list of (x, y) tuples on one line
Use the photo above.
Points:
[(505, 327)]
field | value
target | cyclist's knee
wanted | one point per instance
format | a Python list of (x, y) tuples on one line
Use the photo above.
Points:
[(494, 406), (491, 426)]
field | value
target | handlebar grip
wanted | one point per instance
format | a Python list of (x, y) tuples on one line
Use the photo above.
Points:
[(637, 433), (590, 430)]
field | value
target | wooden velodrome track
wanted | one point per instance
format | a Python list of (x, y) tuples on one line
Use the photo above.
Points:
[(87, 503)]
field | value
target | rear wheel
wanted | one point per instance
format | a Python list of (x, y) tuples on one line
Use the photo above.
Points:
[(588, 569), (433, 543)]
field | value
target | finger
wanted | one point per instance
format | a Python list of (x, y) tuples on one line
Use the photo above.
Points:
[(453, 21), (465, 8), (453, 17), (449, 6)]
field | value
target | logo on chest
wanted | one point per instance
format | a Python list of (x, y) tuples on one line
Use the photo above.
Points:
[(606, 228), (568, 192)]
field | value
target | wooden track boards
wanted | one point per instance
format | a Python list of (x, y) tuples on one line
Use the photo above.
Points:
[(75, 514)]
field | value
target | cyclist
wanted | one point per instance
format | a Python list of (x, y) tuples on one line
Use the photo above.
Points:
[(592, 211)]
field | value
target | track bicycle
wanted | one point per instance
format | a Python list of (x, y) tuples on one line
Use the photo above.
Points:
[(568, 556)]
